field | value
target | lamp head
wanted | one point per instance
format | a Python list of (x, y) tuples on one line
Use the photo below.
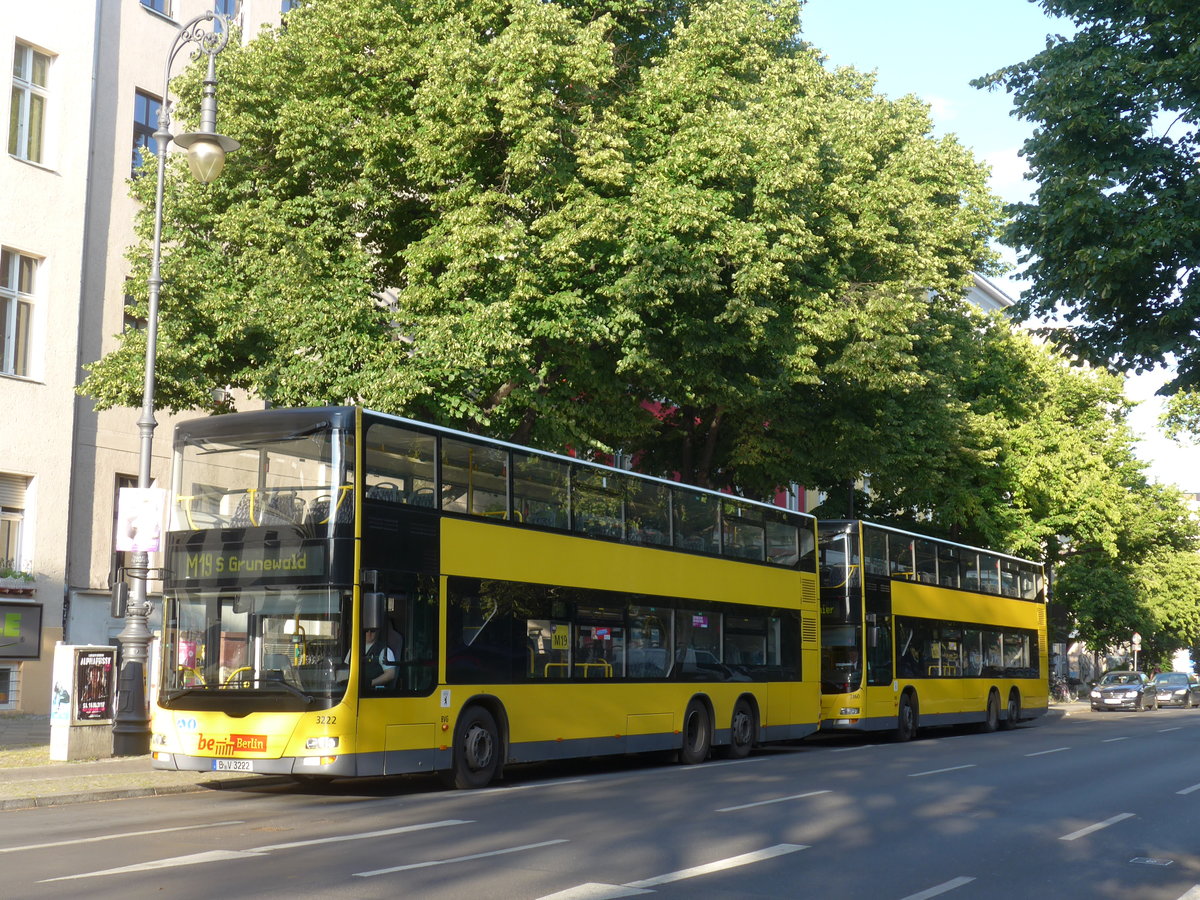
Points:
[(206, 153)]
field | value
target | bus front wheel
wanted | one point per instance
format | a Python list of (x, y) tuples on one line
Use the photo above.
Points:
[(906, 718), (697, 734), (476, 749)]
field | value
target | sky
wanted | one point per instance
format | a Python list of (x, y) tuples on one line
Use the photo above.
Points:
[(933, 49)]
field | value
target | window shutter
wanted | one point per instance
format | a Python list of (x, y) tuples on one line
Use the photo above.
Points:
[(12, 490)]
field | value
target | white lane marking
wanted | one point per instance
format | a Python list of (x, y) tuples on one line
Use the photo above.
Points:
[(1044, 752), (728, 762), (598, 891), (193, 859), (1193, 893), (719, 866), (526, 787), (940, 888), (456, 859), (1165, 730), (363, 835), (594, 890), (940, 771), (769, 802), (1188, 790), (1086, 831), (113, 837), (1110, 740)]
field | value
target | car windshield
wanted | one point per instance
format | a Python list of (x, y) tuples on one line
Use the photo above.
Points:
[(1178, 678), (1121, 678)]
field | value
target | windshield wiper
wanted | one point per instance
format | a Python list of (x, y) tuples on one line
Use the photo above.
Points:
[(308, 698)]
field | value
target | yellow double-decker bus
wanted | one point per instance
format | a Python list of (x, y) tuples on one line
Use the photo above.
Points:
[(349, 593), (918, 631)]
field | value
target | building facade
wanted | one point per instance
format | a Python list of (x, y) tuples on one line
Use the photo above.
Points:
[(86, 86)]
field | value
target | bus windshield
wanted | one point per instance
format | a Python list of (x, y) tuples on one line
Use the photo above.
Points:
[(262, 649), (289, 478)]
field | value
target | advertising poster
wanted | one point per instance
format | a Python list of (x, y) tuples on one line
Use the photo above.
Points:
[(139, 519), (95, 685), (20, 630)]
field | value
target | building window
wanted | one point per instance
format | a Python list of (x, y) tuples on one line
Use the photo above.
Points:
[(12, 516), (9, 686), (17, 273), (27, 115), (146, 108), (160, 6), (227, 8), (133, 320)]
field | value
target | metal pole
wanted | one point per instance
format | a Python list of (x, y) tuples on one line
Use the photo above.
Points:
[(131, 724)]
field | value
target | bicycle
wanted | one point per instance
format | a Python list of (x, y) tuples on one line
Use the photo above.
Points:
[(1060, 690)]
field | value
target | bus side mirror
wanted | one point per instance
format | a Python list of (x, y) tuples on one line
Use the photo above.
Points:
[(374, 610), (120, 599)]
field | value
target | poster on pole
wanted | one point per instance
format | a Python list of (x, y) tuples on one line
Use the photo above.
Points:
[(139, 519), (95, 684)]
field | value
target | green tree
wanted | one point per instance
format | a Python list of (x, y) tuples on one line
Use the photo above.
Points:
[(1112, 236), (530, 218)]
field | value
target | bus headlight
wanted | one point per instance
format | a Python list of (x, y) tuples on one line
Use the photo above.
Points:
[(321, 743)]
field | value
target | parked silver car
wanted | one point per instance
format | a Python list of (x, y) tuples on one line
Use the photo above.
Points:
[(1124, 690), (1177, 689)]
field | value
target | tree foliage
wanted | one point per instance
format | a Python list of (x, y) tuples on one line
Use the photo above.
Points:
[(1112, 236), (535, 219)]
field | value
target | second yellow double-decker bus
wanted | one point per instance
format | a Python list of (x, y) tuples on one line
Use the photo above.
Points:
[(918, 631), (349, 593)]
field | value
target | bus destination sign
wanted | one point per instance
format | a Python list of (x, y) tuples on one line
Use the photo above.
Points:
[(241, 563)]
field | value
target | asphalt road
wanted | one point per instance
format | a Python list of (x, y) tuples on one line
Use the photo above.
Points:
[(1095, 805)]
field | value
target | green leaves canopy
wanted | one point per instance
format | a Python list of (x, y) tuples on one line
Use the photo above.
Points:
[(1113, 235), (534, 219)]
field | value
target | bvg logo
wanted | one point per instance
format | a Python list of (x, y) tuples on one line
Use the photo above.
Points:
[(234, 743)]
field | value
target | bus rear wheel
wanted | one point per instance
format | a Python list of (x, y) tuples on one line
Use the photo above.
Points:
[(742, 728), (992, 722), (906, 718), (1014, 710), (476, 749), (697, 734)]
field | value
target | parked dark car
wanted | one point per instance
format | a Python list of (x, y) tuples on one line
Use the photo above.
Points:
[(1177, 689), (1124, 690)]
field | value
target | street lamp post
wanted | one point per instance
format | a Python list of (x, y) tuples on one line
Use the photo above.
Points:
[(206, 157)]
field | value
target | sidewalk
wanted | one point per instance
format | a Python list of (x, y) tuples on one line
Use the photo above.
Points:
[(28, 778)]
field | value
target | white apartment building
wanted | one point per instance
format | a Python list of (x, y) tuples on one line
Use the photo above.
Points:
[(86, 81)]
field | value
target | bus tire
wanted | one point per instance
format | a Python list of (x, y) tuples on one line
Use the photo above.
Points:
[(476, 749), (697, 734), (992, 721), (743, 726), (907, 717), (1014, 710)]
